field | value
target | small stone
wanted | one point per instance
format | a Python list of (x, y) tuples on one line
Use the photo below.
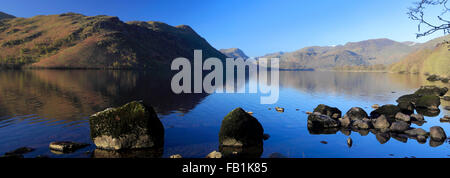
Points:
[(279, 109), (176, 156), (307, 112), (277, 155), (324, 142), (251, 113), (66, 147), (214, 154), (375, 106), (349, 142), (447, 108), (359, 124)]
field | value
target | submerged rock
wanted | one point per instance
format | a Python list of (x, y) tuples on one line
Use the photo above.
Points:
[(389, 111), (18, 153), (318, 120), (66, 147), (437, 134), (240, 129), (433, 78), (332, 112), (130, 126), (428, 112)]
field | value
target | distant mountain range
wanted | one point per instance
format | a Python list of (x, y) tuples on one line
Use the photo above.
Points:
[(363, 53), (73, 40), (234, 53)]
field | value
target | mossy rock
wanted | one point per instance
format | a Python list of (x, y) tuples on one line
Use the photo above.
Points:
[(333, 112), (430, 102), (133, 125), (240, 129), (431, 90), (388, 110), (411, 98)]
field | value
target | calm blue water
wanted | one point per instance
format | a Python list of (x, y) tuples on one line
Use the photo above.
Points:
[(41, 106)]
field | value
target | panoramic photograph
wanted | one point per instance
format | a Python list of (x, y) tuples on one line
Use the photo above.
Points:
[(224, 79)]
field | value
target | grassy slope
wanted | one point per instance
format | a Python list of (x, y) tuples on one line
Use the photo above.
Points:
[(77, 41), (426, 60)]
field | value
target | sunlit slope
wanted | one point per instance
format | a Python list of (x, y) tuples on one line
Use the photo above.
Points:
[(76, 41)]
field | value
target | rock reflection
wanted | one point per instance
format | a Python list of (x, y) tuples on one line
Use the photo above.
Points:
[(241, 152), (139, 153)]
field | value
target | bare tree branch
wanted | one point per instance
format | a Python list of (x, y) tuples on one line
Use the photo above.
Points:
[(417, 13)]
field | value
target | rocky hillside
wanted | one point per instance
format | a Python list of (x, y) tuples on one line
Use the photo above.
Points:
[(363, 53), (76, 41), (432, 58), (5, 16), (234, 53)]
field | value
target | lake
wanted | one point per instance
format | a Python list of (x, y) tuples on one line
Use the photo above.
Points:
[(41, 106)]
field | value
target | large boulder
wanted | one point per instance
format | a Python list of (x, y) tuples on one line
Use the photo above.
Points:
[(318, 120), (333, 112), (431, 90), (356, 113), (131, 126), (437, 134), (388, 110), (240, 129), (430, 102)]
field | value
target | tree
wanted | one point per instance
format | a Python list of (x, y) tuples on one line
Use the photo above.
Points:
[(417, 13)]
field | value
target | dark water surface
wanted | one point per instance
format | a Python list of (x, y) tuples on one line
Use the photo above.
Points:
[(41, 106)]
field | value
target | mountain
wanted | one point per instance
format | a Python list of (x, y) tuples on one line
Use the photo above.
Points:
[(433, 57), (73, 40), (363, 53), (5, 16), (234, 53)]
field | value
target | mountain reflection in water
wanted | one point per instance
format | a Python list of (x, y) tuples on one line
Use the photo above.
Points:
[(40, 106)]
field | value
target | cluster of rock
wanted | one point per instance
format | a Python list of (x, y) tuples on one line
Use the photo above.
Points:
[(435, 77), (385, 121)]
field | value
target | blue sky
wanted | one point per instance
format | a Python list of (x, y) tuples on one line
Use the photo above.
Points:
[(256, 26)]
